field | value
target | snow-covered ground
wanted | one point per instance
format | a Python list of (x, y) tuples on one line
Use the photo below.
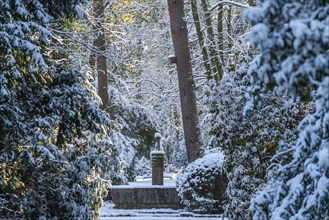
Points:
[(157, 218), (108, 212)]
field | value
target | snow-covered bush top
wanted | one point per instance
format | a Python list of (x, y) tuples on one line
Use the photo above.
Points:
[(201, 184), (206, 163)]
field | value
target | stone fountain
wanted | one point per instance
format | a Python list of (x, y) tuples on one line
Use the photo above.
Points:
[(142, 196)]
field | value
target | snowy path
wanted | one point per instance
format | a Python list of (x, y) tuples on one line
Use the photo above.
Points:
[(158, 218), (108, 212)]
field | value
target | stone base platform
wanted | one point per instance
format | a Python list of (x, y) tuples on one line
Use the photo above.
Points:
[(125, 197)]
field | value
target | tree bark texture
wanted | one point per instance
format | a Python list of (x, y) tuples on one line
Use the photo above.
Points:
[(100, 44), (185, 78)]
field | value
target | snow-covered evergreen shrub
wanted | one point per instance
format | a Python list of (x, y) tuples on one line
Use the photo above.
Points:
[(201, 185), (248, 141), (293, 40), (179, 153), (135, 138), (126, 150), (143, 167), (54, 146)]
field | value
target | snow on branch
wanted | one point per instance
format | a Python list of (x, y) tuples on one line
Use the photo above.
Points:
[(229, 3)]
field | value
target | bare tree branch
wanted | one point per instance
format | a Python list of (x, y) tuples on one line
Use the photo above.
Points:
[(229, 3)]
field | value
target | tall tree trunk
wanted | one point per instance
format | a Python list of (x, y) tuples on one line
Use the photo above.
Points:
[(185, 78), (100, 44)]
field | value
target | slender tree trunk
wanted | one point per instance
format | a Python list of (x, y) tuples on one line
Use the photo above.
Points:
[(185, 78), (229, 27), (177, 122), (220, 32), (100, 44), (215, 62), (200, 36), (139, 96)]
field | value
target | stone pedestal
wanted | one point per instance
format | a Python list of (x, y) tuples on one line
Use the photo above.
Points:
[(157, 167)]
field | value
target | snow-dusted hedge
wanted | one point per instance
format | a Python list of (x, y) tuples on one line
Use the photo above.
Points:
[(55, 151), (248, 140), (293, 40), (201, 185)]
